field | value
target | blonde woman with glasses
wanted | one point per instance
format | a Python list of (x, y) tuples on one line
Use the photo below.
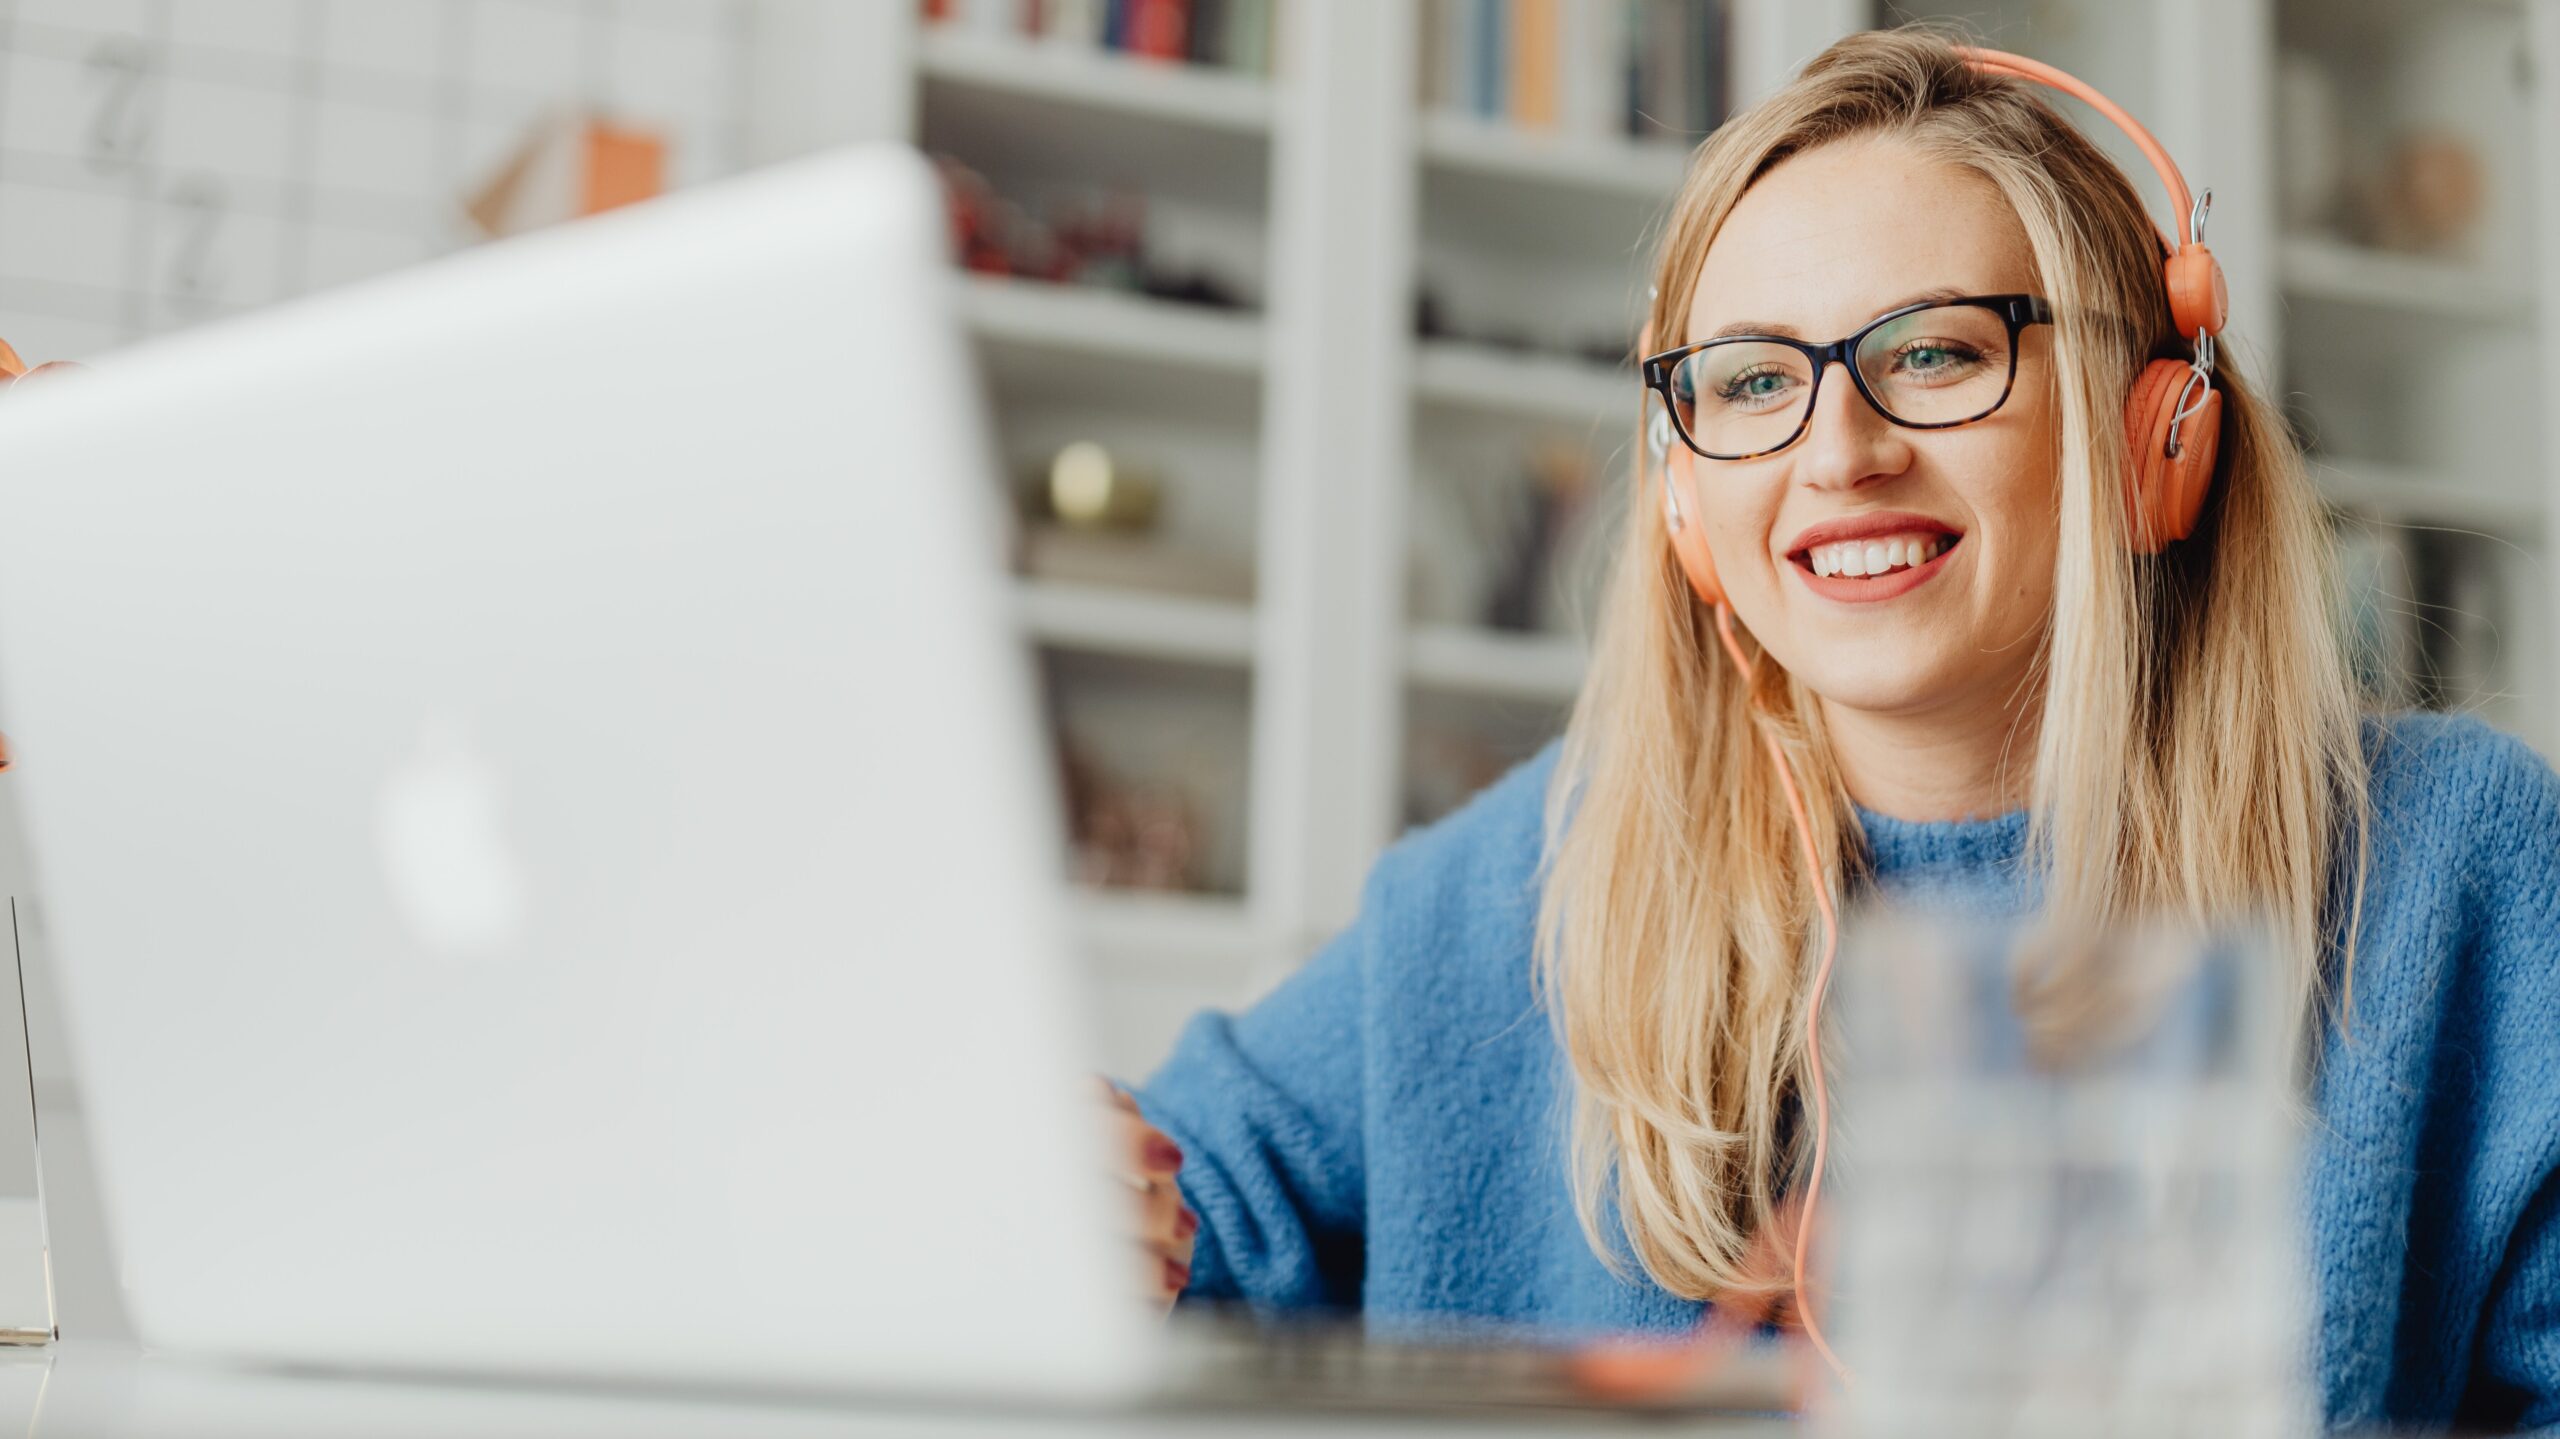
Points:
[(1562, 1073)]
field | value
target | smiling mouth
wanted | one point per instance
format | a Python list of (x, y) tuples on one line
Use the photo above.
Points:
[(1875, 559)]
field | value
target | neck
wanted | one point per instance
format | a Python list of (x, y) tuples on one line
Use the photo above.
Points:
[(1966, 761)]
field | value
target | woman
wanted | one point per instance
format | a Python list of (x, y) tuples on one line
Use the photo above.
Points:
[(2015, 709)]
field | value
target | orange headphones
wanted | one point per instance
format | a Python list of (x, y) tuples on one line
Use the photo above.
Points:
[(2173, 427), (2173, 419)]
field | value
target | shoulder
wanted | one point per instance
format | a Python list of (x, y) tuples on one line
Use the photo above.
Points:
[(2452, 789)]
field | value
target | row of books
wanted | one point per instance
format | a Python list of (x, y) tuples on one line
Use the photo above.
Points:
[(1647, 69), (1233, 34)]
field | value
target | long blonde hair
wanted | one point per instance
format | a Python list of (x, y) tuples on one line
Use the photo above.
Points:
[(2196, 752)]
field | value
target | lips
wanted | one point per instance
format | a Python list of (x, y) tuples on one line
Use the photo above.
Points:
[(1879, 556)]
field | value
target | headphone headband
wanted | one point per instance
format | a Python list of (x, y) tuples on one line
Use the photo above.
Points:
[(2196, 290)]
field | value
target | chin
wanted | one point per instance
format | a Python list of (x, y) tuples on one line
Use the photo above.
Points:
[(1879, 684)]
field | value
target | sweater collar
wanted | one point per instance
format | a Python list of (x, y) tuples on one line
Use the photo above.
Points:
[(1899, 846)]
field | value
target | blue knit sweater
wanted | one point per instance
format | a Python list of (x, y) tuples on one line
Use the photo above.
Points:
[(1384, 1130)]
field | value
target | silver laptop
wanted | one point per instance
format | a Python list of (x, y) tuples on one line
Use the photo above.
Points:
[(538, 815)]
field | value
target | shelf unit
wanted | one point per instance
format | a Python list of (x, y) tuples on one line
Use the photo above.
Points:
[(1297, 421)]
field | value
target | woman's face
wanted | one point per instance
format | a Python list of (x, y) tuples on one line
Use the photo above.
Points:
[(1825, 242)]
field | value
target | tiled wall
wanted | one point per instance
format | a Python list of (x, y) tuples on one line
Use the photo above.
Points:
[(167, 161)]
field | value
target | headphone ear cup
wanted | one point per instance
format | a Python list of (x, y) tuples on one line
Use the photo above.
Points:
[(2164, 493), (1688, 535)]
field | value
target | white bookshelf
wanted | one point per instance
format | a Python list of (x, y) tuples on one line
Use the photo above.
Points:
[(1302, 418)]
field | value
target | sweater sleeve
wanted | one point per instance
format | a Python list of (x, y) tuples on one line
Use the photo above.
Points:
[(2515, 1378), (1267, 1107)]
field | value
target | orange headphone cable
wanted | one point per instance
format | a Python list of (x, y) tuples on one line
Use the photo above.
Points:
[(1813, 1002)]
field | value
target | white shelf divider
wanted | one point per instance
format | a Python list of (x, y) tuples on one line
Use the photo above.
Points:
[(1633, 168), (1079, 74), (2324, 269), (1135, 624), (2407, 496), (1469, 659), (1479, 377), (1093, 321)]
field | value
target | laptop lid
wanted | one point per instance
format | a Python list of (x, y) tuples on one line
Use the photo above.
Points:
[(539, 820)]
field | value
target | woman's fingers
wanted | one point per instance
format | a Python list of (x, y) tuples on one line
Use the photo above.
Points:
[(1167, 1228)]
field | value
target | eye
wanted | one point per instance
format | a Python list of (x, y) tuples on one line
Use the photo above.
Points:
[(1756, 388), (1936, 360)]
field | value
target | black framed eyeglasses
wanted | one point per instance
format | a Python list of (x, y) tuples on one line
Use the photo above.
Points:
[(1930, 366)]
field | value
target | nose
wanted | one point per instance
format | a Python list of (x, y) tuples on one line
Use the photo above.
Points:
[(1848, 444)]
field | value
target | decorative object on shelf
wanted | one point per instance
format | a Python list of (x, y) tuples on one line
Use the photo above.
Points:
[(2310, 141), (1092, 517), (1124, 561), (567, 167), (1086, 486), (1228, 34), (1123, 834), (1558, 485), (2426, 198), (1431, 321), (1599, 68), (1098, 241), (1484, 549)]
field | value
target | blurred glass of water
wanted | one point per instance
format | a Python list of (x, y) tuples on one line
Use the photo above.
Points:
[(2061, 1198)]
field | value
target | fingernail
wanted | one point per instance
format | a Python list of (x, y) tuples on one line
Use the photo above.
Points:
[(1163, 1153), (1185, 1224), (1176, 1276)]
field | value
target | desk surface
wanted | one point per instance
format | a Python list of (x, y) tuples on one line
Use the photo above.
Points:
[(109, 1390)]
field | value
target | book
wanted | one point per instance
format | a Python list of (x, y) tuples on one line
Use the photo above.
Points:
[(1427, 75), (1249, 43), (1663, 88), (1454, 64), (1207, 40), (1075, 22), (1531, 26), (1707, 49), (1158, 29), (1485, 88), (1589, 70)]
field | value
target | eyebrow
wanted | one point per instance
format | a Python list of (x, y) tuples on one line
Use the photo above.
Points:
[(1771, 327)]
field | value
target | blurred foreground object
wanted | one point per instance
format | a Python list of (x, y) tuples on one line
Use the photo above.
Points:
[(2066, 1172), (566, 168)]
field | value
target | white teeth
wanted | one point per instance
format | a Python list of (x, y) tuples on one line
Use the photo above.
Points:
[(1875, 557)]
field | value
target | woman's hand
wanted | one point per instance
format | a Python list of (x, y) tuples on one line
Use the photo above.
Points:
[(1148, 1162), (12, 368)]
